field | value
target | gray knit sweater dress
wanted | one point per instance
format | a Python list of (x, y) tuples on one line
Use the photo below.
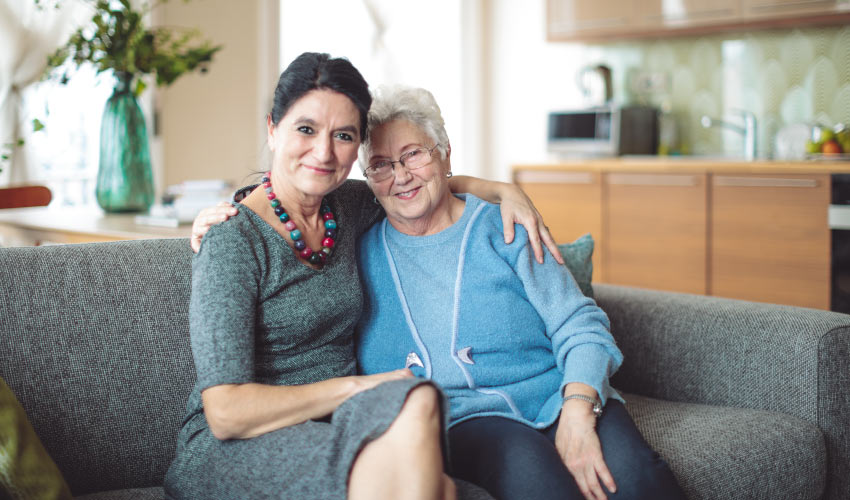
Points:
[(258, 314)]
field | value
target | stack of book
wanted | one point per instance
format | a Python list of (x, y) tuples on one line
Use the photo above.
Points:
[(182, 202)]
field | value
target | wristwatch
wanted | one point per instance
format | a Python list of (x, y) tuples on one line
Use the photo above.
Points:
[(597, 406)]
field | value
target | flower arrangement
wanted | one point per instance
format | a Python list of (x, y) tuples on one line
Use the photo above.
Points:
[(117, 39)]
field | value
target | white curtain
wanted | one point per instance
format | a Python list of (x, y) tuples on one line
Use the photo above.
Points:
[(27, 36)]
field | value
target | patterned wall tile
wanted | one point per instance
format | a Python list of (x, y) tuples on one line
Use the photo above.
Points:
[(796, 51), (822, 85), (783, 76), (841, 106), (839, 53)]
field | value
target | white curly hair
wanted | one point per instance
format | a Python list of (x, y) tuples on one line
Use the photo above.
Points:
[(399, 102)]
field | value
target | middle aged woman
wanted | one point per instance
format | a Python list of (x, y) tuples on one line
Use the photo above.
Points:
[(277, 410), (523, 356)]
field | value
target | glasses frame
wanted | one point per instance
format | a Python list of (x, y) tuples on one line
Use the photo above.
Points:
[(368, 171)]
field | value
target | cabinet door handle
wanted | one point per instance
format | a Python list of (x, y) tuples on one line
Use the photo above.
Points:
[(652, 180), (730, 181), (543, 177)]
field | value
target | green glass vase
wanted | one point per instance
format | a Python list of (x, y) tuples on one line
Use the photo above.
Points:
[(124, 177)]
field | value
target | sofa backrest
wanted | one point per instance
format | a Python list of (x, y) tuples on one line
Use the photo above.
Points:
[(94, 343)]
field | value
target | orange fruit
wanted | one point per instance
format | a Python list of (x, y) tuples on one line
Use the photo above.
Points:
[(831, 148)]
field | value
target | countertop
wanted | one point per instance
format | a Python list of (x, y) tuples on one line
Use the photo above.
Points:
[(78, 225), (689, 164)]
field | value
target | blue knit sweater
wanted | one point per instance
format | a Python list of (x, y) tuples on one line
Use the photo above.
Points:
[(501, 334)]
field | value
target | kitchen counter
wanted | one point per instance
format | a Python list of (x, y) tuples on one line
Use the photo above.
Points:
[(45, 225), (688, 164), (717, 226)]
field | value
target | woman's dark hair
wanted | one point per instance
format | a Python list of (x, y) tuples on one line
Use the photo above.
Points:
[(312, 71)]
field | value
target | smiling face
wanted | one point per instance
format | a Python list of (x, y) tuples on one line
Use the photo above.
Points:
[(314, 145), (416, 201)]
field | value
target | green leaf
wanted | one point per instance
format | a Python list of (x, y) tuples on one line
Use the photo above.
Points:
[(140, 87), (116, 39), (37, 125)]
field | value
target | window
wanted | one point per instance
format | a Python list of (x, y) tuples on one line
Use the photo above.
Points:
[(64, 155)]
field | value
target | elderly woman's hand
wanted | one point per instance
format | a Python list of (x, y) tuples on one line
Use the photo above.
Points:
[(207, 218), (516, 207), (579, 447)]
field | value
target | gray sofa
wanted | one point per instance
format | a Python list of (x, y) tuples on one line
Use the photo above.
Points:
[(744, 400)]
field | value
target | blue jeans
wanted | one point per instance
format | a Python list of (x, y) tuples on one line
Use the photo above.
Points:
[(513, 461)]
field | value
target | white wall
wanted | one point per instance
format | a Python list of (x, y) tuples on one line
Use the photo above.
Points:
[(528, 78), (212, 125), (396, 42), (486, 61)]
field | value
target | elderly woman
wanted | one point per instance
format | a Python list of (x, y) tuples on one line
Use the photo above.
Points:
[(277, 411), (522, 355)]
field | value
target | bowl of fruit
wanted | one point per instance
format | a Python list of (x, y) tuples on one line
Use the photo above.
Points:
[(829, 143)]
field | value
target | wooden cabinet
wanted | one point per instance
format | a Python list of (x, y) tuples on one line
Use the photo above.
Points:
[(765, 9), (770, 241), (655, 231), (589, 18), (657, 14), (706, 229), (571, 205), (569, 20)]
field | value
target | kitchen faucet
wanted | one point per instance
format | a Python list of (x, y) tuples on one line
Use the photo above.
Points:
[(748, 131)]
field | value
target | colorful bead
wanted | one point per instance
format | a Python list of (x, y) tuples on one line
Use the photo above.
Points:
[(315, 258)]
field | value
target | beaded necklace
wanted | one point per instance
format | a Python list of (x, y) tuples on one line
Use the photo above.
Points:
[(316, 258)]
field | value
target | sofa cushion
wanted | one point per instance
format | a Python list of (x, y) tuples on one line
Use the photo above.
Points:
[(577, 257), (26, 470), (154, 493), (465, 491), (733, 453), (95, 344)]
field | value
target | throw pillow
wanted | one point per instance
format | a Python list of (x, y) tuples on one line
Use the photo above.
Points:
[(577, 257), (26, 470)]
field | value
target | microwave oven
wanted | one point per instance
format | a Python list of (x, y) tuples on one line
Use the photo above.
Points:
[(609, 130)]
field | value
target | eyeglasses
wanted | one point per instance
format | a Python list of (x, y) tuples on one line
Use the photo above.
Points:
[(415, 158)]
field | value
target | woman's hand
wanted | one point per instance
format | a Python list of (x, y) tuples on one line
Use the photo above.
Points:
[(516, 207), (579, 447), (207, 218), (366, 382)]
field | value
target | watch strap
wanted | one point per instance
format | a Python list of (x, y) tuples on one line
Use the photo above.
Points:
[(597, 406)]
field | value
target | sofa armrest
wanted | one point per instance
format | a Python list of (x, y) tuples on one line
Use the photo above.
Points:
[(725, 352)]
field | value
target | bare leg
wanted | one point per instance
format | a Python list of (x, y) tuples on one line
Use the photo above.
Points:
[(406, 462)]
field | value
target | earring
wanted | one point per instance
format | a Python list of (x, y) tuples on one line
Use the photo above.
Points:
[(375, 200), (449, 174)]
